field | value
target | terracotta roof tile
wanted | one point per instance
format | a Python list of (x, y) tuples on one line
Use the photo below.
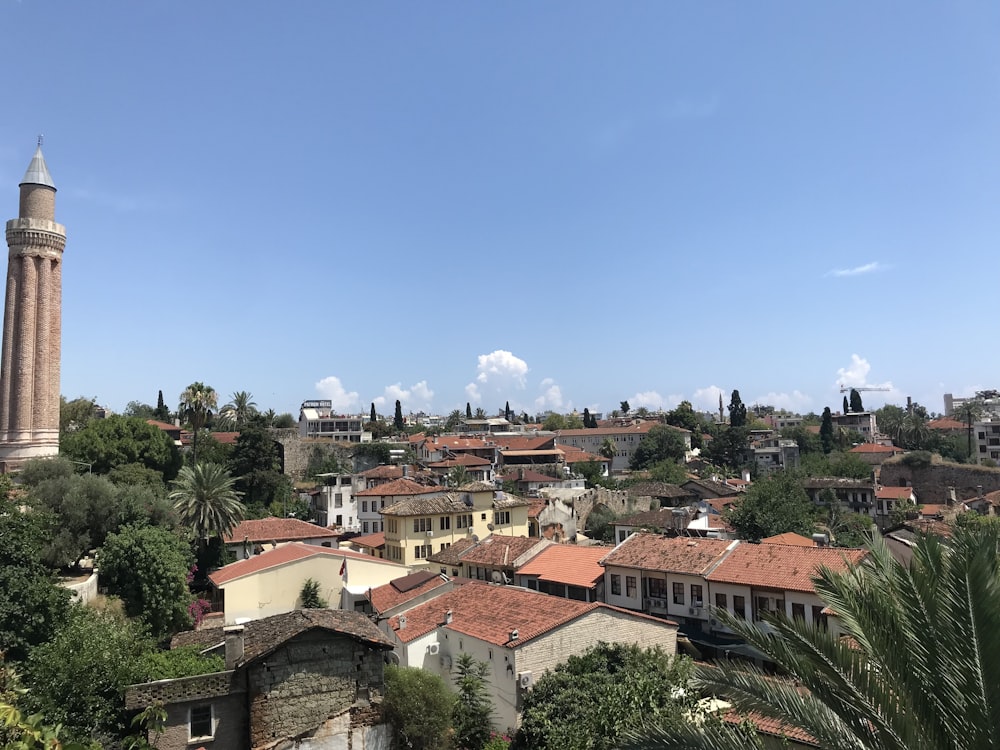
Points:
[(385, 471), (490, 613), (894, 493), (404, 589), (568, 564), (398, 487), (462, 459), (226, 438), (498, 550), (772, 727), (781, 567), (791, 538), (452, 555), (374, 541), (875, 448), (283, 555), (946, 423), (260, 637), (688, 555), (277, 530), (529, 475), (535, 442)]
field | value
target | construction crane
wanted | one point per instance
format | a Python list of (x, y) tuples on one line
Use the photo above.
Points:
[(859, 388)]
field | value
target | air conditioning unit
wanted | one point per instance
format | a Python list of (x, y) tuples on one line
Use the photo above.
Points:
[(433, 648), (430, 533), (525, 680), (472, 529)]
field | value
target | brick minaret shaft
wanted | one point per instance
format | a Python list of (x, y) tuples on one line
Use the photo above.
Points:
[(32, 321)]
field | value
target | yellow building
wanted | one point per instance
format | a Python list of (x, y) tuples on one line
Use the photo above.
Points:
[(417, 527)]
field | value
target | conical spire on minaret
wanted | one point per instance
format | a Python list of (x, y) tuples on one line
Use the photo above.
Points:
[(38, 172)]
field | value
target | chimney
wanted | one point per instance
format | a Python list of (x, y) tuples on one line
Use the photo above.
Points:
[(406, 471), (979, 491), (746, 475), (952, 499), (234, 645), (447, 617)]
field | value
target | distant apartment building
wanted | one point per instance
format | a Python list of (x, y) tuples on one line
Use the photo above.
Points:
[(987, 437), (333, 503), (626, 437), (784, 454), (988, 402), (858, 421), (783, 421), (318, 420)]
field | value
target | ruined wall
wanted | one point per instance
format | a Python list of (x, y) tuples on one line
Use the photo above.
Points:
[(931, 484), (582, 502), (307, 680), (296, 450)]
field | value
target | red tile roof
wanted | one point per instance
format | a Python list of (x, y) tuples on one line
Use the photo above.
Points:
[(574, 455), (529, 475), (533, 443), (398, 487), (226, 438), (946, 423), (894, 493), (650, 551), (456, 443), (789, 538), (404, 589), (263, 530), (773, 727), (462, 459), (490, 613), (499, 550), (875, 448), (567, 563), (165, 426), (370, 540), (283, 555), (385, 471), (780, 566)]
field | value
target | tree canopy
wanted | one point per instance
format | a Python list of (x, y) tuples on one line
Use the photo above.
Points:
[(661, 443), (774, 505), (105, 444), (419, 706)]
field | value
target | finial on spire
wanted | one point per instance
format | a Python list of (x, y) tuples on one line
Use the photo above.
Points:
[(41, 138)]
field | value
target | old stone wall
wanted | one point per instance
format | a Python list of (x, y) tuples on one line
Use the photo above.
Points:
[(229, 725), (296, 450), (307, 680), (201, 687), (931, 484)]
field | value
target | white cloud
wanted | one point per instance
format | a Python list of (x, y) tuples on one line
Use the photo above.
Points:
[(653, 400), (341, 399), (415, 398), (855, 375), (796, 401), (859, 270), (551, 397), (498, 373), (707, 399)]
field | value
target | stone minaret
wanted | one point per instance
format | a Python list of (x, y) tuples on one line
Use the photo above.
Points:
[(32, 318)]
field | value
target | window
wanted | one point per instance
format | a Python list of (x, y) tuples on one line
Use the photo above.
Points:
[(616, 584), (338, 500), (720, 601), (422, 551), (501, 517), (482, 518), (819, 619), (445, 523), (364, 527), (678, 593), (657, 588), (464, 521), (423, 524), (630, 587), (739, 607), (393, 526), (696, 598), (200, 723), (445, 546), (798, 611)]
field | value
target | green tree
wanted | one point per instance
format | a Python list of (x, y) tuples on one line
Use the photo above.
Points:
[(197, 405), (685, 417), (914, 434), (968, 412), (554, 422), (625, 408), (856, 405), (589, 701), (507, 414), (890, 419), (608, 450), (75, 414), (255, 461), (138, 409), (586, 418), (397, 419), (600, 524), (453, 421), (849, 465), (847, 405), (147, 568), (161, 412), (283, 421), (668, 471), (458, 476), (774, 505), (206, 501), (468, 410), (472, 716), (78, 678), (661, 443), (309, 595), (737, 411), (240, 410), (919, 670), (32, 605), (373, 417), (418, 706), (105, 444), (480, 413), (826, 430)]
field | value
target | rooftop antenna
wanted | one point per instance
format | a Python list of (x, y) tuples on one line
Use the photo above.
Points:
[(41, 139)]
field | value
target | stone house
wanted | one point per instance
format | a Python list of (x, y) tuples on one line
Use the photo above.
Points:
[(311, 677)]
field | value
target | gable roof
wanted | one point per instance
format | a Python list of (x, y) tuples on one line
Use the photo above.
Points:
[(284, 555), (719, 489), (277, 530), (384, 471), (491, 613), (529, 475), (780, 566), (500, 550), (518, 443), (657, 489), (568, 564), (946, 423), (894, 493), (460, 459), (373, 541), (789, 538), (687, 555), (398, 487), (401, 590), (452, 555)]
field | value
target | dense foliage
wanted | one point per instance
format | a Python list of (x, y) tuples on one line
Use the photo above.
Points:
[(774, 505), (419, 706)]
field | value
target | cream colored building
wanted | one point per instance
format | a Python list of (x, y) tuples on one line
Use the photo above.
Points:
[(519, 633), (271, 583), (417, 527)]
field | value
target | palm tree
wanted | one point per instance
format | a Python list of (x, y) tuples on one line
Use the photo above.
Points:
[(458, 476), (918, 670), (269, 417), (969, 412), (205, 500), (198, 401), (608, 450), (914, 432), (239, 411)]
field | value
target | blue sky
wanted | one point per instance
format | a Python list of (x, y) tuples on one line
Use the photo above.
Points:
[(560, 204)]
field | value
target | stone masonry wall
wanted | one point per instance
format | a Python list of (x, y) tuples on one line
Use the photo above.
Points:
[(200, 687), (307, 680), (297, 450), (931, 484)]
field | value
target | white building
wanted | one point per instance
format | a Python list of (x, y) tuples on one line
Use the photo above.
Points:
[(318, 420), (334, 503)]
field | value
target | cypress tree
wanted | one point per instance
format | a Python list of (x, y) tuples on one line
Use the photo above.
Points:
[(468, 410), (374, 417), (398, 419), (826, 430)]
